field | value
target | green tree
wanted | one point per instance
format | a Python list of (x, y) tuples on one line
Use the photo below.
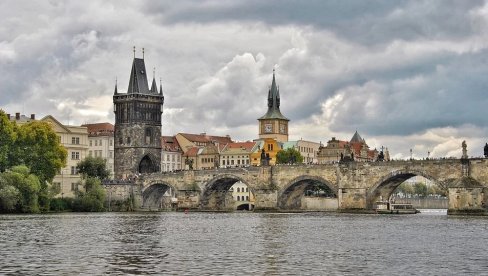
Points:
[(420, 189), (28, 186), (93, 167), (290, 155), (92, 199), (37, 146), (6, 140)]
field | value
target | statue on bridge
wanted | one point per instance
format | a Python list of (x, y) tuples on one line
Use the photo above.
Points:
[(486, 150)]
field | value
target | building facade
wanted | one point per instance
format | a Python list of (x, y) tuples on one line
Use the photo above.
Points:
[(75, 140), (273, 124), (270, 147), (171, 154), (308, 150), (101, 143), (236, 154), (137, 143), (356, 149)]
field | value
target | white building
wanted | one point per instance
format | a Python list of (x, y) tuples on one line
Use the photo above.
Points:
[(308, 150), (171, 154), (236, 154)]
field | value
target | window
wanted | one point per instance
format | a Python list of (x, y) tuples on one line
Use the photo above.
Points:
[(167, 157), (75, 140), (270, 147), (100, 142), (173, 158), (57, 186), (59, 139), (149, 136), (74, 170), (111, 154), (90, 152), (111, 142), (96, 143), (128, 140), (247, 198), (74, 187), (75, 155), (238, 197), (91, 143)]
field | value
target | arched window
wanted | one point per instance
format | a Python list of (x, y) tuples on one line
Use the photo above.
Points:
[(238, 189), (238, 197)]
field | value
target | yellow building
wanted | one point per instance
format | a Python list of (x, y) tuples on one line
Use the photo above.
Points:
[(271, 148), (273, 124)]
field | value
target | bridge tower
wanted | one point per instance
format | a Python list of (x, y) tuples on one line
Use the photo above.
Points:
[(273, 124), (137, 146)]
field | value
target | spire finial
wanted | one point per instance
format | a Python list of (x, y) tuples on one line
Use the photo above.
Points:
[(154, 72), (134, 51), (142, 53)]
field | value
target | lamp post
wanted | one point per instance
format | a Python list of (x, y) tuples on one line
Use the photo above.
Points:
[(411, 154)]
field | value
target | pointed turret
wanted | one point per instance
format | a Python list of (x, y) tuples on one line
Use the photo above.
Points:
[(138, 79), (161, 88), (154, 88), (115, 90), (273, 102), (356, 138)]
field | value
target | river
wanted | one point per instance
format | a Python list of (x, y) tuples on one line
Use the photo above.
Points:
[(243, 243)]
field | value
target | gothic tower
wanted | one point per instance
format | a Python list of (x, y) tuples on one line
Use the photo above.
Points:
[(273, 124), (137, 147)]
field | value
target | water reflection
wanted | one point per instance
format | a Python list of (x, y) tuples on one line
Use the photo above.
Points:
[(242, 244)]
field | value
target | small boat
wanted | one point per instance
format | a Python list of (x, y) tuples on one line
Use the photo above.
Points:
[(385, 207)]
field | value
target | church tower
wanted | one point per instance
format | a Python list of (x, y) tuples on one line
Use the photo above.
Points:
[(137, 147), (273, 124)]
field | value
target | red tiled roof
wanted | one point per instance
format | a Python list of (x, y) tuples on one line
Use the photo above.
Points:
[(100, 129), (170, 143), (203, 138), (192, 152)]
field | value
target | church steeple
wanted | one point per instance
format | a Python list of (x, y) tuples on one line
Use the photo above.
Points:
[(273, 124), (274, 94), (273, 102)]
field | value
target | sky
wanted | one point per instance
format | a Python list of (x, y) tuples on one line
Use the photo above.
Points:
[(404, 74)]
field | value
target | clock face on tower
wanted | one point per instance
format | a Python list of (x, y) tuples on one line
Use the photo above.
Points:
[(282, 129), (268, 128)]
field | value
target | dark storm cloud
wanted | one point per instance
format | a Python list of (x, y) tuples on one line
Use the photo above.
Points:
[(368, 22), (409, 72)]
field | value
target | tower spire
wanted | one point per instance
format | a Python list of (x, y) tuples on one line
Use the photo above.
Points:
[(143, 53), (134, 51), (115, 90)]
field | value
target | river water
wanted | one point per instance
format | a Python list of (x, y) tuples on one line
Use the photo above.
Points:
[(430, 243)]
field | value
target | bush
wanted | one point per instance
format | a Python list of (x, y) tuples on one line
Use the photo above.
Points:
[(61, 204), (93, 199)]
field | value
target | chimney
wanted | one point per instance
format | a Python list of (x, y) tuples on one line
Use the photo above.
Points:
[(17, 116), (33, 116)]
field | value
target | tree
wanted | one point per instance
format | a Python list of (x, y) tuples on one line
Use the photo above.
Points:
[(93, 167), (290, 155), (20, 189), (6, 140), (420, 189), (92, 199), (37, 146)]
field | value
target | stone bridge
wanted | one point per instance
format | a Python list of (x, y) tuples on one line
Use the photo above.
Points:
[(351, 186)]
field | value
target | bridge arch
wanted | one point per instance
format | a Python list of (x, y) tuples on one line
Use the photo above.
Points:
[(290, 197), (153, 193), (388, 183), (215, 193)]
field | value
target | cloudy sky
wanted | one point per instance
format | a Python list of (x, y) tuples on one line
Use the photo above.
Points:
[(405, 74)]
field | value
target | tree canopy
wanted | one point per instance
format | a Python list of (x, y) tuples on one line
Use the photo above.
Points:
[(93, 167), (19, 190), (289, 156)]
